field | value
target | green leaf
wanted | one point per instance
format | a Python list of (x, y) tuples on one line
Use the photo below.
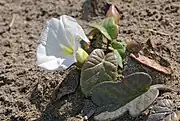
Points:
[(141, 103), (102, 29), (119, 58), (132, 94), (122, 92), (120, 47), (98, 68), (134, 107), (111, 27), (107, 27)]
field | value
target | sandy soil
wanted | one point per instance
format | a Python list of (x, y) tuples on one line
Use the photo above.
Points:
[(26, 90)]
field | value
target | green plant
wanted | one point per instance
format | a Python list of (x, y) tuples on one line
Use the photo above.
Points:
[(63, 42), (109, 29)]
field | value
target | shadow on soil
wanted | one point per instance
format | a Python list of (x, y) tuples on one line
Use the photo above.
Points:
[(66, 100)]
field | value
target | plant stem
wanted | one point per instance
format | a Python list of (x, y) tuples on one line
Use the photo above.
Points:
[(107, 47)]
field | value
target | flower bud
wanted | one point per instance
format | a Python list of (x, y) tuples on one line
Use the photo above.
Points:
[(81, 56), (112, 12), (134, 46)]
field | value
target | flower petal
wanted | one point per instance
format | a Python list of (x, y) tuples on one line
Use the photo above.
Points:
[(50, 55), (58, 35), (74, 28), (68, 62), (51, 62), (56, 63)]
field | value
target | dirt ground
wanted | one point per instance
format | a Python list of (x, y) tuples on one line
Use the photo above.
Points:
[(26, 90)]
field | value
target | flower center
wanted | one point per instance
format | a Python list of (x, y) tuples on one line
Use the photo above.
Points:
[(68, 50)]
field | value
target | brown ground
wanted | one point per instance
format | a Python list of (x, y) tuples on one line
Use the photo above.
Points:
[(23, 98)]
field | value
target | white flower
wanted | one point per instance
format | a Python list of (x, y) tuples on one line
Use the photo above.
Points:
[(59, 43)]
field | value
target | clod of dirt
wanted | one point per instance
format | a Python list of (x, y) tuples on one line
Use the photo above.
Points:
[(133, 46), (68, 85)]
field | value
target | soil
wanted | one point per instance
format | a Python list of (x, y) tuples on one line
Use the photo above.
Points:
[(26, 90)]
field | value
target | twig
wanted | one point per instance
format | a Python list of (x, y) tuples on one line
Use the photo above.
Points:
[(13, 19), (158, 32), (17, 3)]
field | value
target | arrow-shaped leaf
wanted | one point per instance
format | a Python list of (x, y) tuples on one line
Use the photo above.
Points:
[(116, 98), (107, 27), (135, 107), (98, 68), (111, 27), (121, 92), (102, 29)]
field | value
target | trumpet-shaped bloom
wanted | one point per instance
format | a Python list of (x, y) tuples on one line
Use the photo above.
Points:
[(59, 43)]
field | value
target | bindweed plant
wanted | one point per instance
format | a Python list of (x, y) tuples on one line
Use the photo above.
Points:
[(108, 29), (63, 43)]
